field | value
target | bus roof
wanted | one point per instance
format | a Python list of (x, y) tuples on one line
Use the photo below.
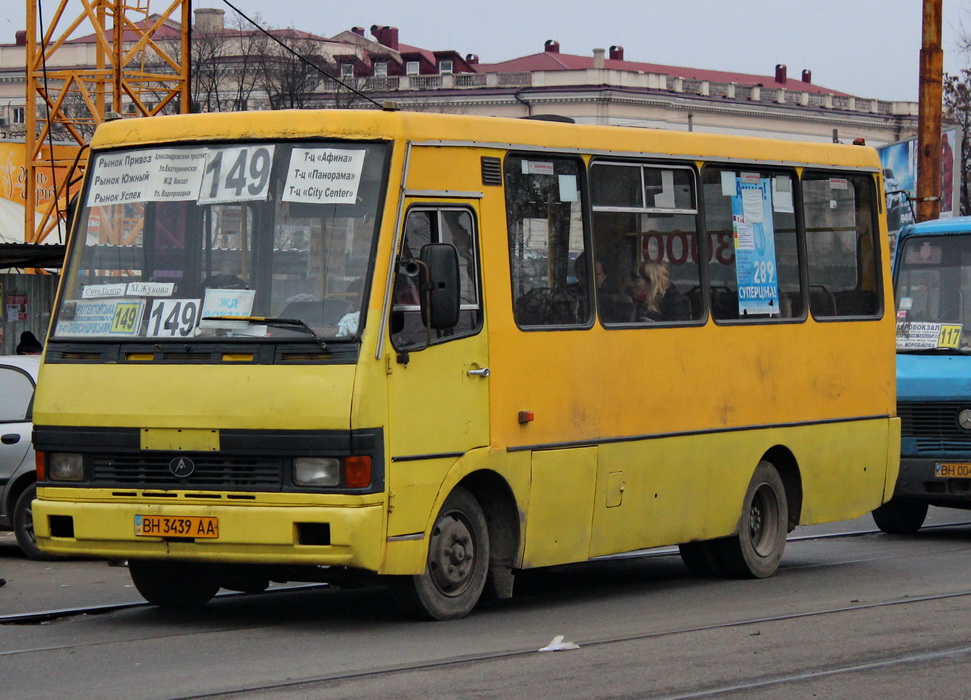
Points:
[(477, 130), (957, 224)]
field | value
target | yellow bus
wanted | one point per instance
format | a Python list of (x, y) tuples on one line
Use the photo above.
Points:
[(433, 350)]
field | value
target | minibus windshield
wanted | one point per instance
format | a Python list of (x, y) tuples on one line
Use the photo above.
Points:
[(201, 241), (933, 294)]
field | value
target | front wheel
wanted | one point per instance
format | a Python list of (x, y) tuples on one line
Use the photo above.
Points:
[(174, 584), (458, 560), (900, 516), (756, 551), (23, 525)]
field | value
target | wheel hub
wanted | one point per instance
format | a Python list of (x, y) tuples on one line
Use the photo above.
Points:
[(451, 556)]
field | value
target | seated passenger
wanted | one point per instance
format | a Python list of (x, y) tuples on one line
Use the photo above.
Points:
[(655, 296)]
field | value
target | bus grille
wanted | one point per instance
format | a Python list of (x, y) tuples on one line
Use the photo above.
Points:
[(934, 425), (211, 471)]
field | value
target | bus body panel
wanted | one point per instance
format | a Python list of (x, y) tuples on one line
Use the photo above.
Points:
[(192, 396)]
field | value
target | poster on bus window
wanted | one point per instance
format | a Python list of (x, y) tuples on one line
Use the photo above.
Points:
[(754, 237)]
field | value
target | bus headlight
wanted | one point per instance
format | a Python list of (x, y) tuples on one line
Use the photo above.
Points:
[(316, 471), (65, 466)]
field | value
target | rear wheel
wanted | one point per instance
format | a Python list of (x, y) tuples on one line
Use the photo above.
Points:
[(900, 516), (23, 525), (700, 558), (174, 584), (458, 560), (755, 552)]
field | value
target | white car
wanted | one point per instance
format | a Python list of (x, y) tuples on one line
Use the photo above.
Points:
[(18, 377)]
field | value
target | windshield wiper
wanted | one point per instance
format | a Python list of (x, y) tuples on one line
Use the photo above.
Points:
[(265, 320)]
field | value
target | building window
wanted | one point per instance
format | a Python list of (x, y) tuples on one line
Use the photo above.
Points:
[(347, 70), (19, 115), (445, 67), (380, 69), (411, 68)]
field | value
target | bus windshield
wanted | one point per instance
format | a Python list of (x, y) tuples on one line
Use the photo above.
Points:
[(933, 294), (183, 242)]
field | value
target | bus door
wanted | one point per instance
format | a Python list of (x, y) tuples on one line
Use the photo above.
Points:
[(439, 382)]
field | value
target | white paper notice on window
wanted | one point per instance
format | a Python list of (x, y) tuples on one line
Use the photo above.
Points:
[(324, 175), (568, 188), (728, 183), (744, 235), (237, 174), (782, 195), (752, 205), (665, 198), (226, 302), (121, 178)]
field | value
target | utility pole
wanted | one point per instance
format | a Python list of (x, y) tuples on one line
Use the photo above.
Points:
[(929, 114)]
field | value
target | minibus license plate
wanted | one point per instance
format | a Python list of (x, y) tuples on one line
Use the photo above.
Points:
[(176, 526), (953, 470)]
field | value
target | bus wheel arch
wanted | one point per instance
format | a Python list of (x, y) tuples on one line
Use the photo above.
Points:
[(472, 547), (503, 519), (788, 468), (456, 563)]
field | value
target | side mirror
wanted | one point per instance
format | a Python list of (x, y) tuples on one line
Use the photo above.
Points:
[(439, 282)]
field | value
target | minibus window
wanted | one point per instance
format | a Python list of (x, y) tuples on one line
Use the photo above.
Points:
[(753, 266), (184, 243), (645, 241), (841, 245), (544, 210)]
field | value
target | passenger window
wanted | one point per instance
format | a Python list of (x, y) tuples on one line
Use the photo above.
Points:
[(16, 391), (645, 242), (753, 267), (550, 273), (841, 248), (436, 225)]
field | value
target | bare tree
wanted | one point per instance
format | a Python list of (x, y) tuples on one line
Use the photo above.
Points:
[(957, 110), (251, 46), (291, 75)]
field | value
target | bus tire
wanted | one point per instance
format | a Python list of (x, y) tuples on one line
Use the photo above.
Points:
[(458, 561), (900, 516), (701, 558), (756, 551), (174, 584), (23, 525)]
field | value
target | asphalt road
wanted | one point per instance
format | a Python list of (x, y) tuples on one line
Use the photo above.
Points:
[(868, 615)]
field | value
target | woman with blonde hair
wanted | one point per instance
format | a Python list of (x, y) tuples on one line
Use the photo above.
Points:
[(655, 296)]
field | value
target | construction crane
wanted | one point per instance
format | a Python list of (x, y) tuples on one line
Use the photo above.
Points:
[(128, 70)]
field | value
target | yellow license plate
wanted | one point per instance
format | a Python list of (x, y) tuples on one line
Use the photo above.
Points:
[(195, 526), (953, 470)]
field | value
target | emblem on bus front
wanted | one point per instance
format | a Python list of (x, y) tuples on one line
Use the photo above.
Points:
[(964, 419), (182, 467)]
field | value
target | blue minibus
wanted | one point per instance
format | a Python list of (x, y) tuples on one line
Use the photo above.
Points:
[(932, 291)]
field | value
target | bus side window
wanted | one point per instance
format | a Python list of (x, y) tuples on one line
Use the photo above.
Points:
[(546, 238), (753, 266), (436, 225), (645, 239), (844, 278)]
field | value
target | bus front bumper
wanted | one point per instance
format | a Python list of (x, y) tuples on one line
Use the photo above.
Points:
[(324, 535), (920, 478)]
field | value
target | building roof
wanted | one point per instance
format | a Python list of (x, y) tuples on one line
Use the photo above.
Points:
[(555, 61)]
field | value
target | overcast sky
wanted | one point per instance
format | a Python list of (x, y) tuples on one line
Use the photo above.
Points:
[(868, 48)]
